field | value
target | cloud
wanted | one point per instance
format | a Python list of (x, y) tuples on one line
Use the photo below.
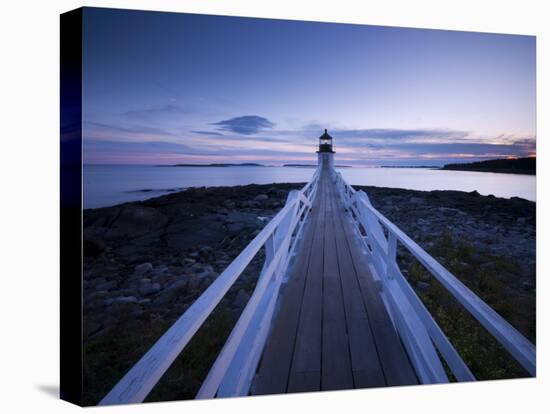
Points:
[(154, 111), (245, 125), (400, 134), (132, 129), (207, 133), (474, 149), (126, 147)]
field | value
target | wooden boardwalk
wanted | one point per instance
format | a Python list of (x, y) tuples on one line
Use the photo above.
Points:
[(332, 330)]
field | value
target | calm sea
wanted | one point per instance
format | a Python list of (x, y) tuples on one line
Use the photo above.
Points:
[(107, 185)]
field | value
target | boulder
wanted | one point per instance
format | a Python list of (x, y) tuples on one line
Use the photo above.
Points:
[(206, 250), (187, 261), (100, 294), (121, 300), (171, 292), (97, 281), (111, 284), (235, 227), (141, 269), (415, 200), (229, 204), (136, 220), (198, 279), (149, 288)]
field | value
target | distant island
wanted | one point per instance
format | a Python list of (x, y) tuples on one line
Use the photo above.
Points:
[(248, 164), (527, 165), (313, 165), (300, 165), (245, 164), (410, 166)]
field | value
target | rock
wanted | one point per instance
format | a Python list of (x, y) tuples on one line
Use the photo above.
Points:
[(122, 292), (450, 211), (160, 270), (229, 204), (97, 281), (241, 299), (235, 227), (121, 300), (149, 288), (141, 269), (250, 204), (261, 197), (162, 278), (100, 294), (196, 268), (416, 200), (197, 279), (194, 282), (137, 220), (112, 284), (171, 292), (176, 270), (92, 327), (422, 286), (188, 261), (206, 250)]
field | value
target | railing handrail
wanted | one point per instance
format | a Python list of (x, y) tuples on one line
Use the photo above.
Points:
[(136, 384), (519, 347)]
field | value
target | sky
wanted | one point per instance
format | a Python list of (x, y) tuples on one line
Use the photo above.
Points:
[(168, 88)]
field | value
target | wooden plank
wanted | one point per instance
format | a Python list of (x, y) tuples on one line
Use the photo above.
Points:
[(336, 364), (333, 330), (274, 368), (366, 368), (393, 357), (305, 374)]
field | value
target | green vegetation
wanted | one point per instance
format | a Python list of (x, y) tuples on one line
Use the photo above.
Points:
[(111, 356), (493, 279)]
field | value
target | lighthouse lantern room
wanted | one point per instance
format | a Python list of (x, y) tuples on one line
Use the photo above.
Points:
[(325, 153)]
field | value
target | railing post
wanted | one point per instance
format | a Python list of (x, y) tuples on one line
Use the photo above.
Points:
[(269, 251), (242, 337), (391, 256), (280, 235)]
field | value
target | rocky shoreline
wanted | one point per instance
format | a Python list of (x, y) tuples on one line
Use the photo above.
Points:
[(146, 262)]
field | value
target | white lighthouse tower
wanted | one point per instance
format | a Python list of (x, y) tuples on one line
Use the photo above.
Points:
[(325, 153)]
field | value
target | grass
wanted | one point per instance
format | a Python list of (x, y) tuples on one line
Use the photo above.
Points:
[(492, 279)]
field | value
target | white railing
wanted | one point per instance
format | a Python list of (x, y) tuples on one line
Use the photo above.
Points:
[(234, 368), (421, 335)]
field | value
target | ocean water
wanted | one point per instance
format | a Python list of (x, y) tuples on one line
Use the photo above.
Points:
[(107, 185)]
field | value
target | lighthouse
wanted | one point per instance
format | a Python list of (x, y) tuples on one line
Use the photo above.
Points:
[(325, 153)]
